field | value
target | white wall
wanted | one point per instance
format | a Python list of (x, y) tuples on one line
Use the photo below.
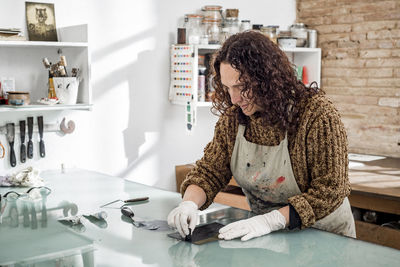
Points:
[(133, 130)]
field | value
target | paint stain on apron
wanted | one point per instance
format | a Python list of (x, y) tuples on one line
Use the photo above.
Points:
[(266, 177)]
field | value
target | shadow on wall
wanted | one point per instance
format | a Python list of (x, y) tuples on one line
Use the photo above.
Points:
[(146, 102)]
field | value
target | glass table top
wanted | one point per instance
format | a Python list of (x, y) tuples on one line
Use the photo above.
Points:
[(31, 232)]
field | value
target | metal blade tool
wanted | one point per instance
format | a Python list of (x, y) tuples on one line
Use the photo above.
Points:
[(22, 135), (10, 138), (126, 201), (41, 142), (30, 132)]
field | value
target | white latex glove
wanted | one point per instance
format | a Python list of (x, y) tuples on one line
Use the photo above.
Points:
[(184, 217), (254, 226)]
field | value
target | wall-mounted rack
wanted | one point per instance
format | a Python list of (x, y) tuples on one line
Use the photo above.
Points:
[(59, 128)]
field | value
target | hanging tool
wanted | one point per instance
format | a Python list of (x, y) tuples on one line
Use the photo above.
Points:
[(126, 201), (10, 138), (41, 142), (2, 151), (30, 132), (22, 135)]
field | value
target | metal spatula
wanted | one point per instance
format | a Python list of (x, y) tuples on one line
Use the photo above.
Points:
[(10, 138), (126, 201)]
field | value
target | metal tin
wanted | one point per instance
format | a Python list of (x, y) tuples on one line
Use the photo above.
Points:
[(312, 38)]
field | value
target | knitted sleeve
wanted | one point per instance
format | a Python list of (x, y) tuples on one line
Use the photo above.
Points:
[(212, 172), (327, 165)]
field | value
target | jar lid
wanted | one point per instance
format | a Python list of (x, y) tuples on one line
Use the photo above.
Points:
[(194, 16), (299, 25), (287, 37), (212, 8), (232, 19), (273, 26), (257, 26), (209, 20), (245, 20)]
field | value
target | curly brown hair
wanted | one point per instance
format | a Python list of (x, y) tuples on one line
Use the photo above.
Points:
[(267, 73)]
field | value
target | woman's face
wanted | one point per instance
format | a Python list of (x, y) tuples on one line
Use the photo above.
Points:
[(230, 80)]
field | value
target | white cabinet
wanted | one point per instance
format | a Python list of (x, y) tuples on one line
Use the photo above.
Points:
[(184, 69), (23, 61)]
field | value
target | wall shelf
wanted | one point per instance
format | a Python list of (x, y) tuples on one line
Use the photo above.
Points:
[(42, 44), (23, 61), (7, 108)]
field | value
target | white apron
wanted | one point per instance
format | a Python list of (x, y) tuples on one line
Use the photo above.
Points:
[(266, 177)]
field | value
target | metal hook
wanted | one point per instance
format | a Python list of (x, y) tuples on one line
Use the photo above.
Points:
[(69, 129)]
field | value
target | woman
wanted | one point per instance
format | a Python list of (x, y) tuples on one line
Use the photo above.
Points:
[(283, 142)]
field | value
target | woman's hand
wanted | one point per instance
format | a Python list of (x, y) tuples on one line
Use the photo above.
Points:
[(254, 227), (184, 217)]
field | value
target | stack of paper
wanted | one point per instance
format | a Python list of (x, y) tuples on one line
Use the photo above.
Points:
[(11, 34)]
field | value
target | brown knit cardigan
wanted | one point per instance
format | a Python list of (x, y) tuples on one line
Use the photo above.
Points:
[(318, 152)]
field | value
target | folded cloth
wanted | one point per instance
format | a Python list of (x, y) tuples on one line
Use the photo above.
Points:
[(27, 177)]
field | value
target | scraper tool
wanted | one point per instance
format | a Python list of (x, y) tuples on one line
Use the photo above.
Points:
[(30, 132), (10, 138), (41, 142), (22, 135), (126, 201)]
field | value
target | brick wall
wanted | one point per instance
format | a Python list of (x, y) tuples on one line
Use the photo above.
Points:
[(360, 42)]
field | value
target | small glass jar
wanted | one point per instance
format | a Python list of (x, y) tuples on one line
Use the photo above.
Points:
[(232, 13), (232, 25), (270, 32), (299, 31), (257, 27), (212, 12), (224, 35), (213, 30), (245, 25), (194, 28)]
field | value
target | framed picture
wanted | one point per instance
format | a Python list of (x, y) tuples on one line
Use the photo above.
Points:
[(41, 21)]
